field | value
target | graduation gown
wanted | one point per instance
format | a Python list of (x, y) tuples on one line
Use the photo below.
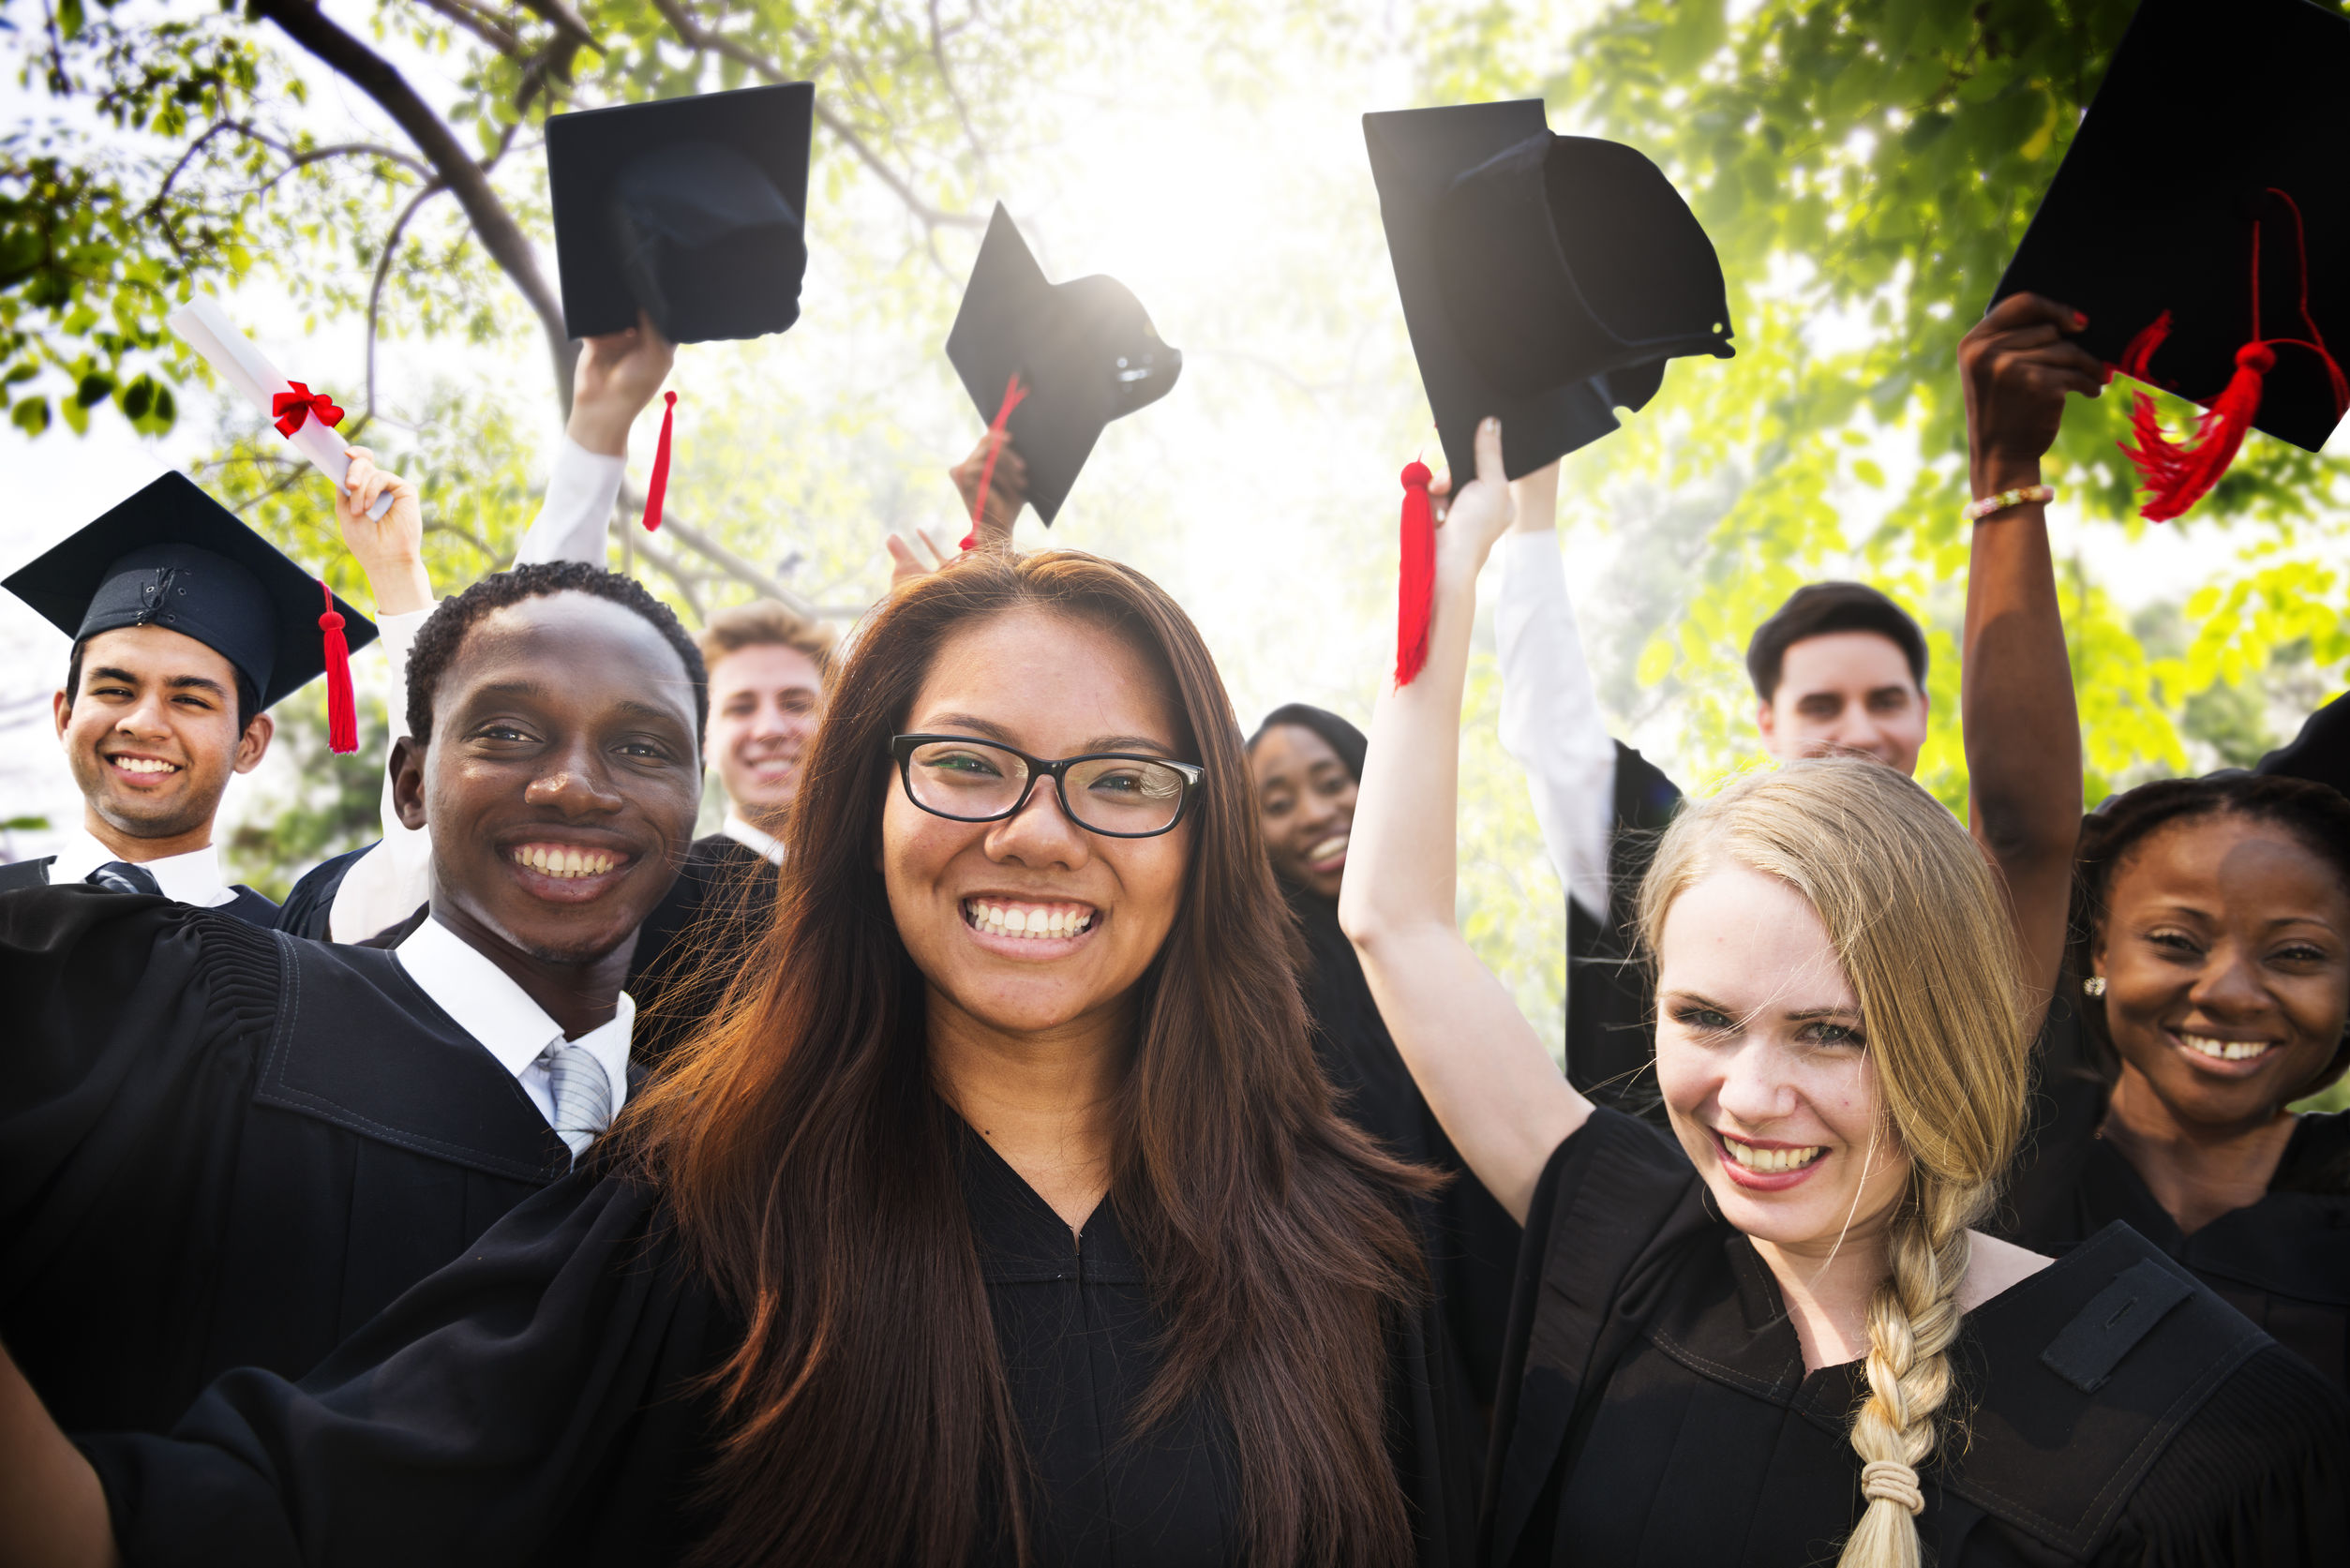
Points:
[(1610, 1023), (693, 942), (2283, 1262), (1656, 1408), (222, 1147), (247, 905), (1472, 1240), (538, 1402)]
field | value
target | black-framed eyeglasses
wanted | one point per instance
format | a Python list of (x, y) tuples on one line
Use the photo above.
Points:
[(1117, 794)]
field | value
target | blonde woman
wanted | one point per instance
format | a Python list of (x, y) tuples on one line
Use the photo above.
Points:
[(1772, 1335)]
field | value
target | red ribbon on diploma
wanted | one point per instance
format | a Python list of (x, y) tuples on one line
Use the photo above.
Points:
[(1013, 393), (291, 407)]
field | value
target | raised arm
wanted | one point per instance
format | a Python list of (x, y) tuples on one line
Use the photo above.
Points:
[(1476, 1059), (2022, 733), (616, 378), (1551, 718)]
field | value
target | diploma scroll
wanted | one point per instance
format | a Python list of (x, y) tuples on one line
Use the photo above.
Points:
[(247, 372)]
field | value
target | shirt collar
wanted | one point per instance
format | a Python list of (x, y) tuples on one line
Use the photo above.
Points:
[(759, 839), (192, 879), (490, 1007)]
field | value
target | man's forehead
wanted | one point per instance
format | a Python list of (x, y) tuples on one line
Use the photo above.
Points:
[(572, 645), (1846, 660), (763, 666), (156, 653)]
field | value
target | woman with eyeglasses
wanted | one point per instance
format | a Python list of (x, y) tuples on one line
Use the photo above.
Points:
[(1000, 1215)]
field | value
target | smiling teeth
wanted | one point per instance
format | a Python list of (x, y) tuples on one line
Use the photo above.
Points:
[(555, 861), (1328, 849), (2226, 1051), (1767, 1161), (1030, 920), (142, 765)]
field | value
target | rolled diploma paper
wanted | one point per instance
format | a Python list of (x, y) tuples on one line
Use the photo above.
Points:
[(247, 369)]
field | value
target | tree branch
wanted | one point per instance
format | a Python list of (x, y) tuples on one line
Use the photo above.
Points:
[(695, 35), (483, 26), (493, 225), (383, 270)]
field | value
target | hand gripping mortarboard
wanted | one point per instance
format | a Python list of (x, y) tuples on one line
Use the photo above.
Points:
[(1052, 362), (173, 557), (1546, 280), (2201, 220)]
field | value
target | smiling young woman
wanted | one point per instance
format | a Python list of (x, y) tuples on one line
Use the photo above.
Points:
[(949, 1241), (2212, 967), (1776, 1328)]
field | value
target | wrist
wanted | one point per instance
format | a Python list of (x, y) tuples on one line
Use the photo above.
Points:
[(595, 430), (398, 586), (1993, 471)]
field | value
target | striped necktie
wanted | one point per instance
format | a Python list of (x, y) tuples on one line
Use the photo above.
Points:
[(121, 876), (582, 1093)]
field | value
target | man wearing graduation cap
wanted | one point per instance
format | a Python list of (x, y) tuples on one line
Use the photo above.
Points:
[(188, 627)]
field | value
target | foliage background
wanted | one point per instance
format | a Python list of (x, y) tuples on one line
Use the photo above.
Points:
[(1863, 166)]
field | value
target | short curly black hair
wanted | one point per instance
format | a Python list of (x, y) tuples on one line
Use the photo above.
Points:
[(2316, 815), (443, 631)]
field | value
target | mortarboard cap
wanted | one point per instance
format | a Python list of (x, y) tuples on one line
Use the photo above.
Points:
[(2209, 172), (2321, 753), (691, 208), (173, 557), (1084, 351), (1546, 280)]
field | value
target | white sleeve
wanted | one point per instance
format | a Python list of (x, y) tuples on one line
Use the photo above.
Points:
[(1551, 718), (385, 885), (573, 520)]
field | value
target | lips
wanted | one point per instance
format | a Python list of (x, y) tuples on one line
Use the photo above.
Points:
[(567, 873), (1026, 920), (1327, 856), (139, 767), (1766, 1167), (2213, 1052)]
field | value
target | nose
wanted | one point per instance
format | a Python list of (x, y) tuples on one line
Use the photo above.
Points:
[(573, 782), (145, 718), (1039, 833), (2229, 986), (770, 721), (1754, 1091)]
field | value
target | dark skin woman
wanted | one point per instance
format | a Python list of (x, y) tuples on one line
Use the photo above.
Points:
[(2212, 969), (1308, 763), (999, 1214)]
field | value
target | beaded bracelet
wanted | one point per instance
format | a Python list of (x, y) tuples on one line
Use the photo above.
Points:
[(2027, 495)]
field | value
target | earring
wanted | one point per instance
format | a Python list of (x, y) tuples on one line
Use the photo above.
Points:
[(2094, 985)]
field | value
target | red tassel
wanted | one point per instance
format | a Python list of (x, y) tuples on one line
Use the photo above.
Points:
[(2179, 475), (1415, 585), (1013, 393), (658, 485), (342, 709)]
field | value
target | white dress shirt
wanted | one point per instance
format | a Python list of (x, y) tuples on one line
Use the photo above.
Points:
[(390, 882), (490, 1007), (191, 878), (1551, 718), (750, 837)]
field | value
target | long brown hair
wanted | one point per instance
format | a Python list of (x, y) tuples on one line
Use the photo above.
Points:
[(812, 1168)]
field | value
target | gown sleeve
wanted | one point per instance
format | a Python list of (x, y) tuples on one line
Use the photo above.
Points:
[(535, 1401)]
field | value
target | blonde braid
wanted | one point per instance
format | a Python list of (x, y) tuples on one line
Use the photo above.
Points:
[(1912, 1320)]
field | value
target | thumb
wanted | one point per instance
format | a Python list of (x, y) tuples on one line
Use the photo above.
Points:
[(1489, 453)]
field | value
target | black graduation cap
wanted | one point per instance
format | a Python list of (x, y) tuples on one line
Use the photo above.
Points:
[(2321, 753), (173, 557), (692, 208), (1546, 280), (2218, 127), (1084, 351)]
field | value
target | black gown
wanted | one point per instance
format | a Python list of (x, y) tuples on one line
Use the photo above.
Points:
[(1658, 1411), (692, 944), (538, 1402), (1472, 1240), (222, 1146), (2283, 1262), (247, 905), (1611, 1011)]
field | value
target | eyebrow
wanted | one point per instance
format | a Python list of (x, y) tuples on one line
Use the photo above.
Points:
[(1098, 743), (1800, 1015), (176, 683)]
